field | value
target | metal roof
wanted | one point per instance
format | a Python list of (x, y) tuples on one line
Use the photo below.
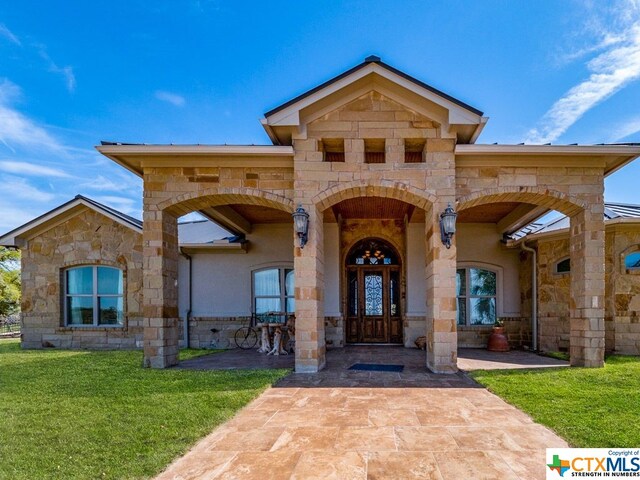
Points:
[(611, 212), (201, 232)]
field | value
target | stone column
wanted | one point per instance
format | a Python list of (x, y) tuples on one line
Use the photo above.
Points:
[(309, 293), (587, 287), (442, 335), (160, 290)]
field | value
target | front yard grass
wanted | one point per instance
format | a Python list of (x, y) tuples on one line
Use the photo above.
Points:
[(78, 414), (597, 407)]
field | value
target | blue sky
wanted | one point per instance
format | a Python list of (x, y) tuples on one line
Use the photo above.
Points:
[(74, 73)]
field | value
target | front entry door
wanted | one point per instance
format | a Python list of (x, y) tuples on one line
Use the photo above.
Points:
[(373, 301), (373, 306)]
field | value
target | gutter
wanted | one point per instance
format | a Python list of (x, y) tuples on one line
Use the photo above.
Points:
[(534, 296), (187, 318)]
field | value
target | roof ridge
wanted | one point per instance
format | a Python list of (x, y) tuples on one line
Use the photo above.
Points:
[(369, 60)]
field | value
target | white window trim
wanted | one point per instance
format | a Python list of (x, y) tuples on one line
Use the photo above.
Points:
[(558, 262), (498, 270), (281, 277), (94, 295)]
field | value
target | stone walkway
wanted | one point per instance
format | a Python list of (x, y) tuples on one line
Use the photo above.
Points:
[(343, 425)]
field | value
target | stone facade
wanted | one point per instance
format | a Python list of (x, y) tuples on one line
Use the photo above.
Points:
[(427, 185), (88, 238), (622, 298)]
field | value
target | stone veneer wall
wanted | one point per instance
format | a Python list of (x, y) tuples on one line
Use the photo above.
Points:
[(334, 332), (622, 293), (517, 330), (200, 335), (623, 306), (89, 238), (553, 297)]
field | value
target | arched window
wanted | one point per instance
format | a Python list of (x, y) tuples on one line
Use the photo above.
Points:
[(632, 261), (563, 266), (93, 296), (273, 290), (372, 251), (476, 293)]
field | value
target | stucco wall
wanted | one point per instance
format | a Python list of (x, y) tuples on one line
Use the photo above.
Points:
[(479, 245), (416, 302), (222, 281), (86, 239)]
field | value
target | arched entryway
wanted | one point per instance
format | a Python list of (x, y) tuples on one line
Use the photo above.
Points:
[(372, 294)]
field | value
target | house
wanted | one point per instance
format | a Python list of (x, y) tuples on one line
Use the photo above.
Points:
[(374, 162)]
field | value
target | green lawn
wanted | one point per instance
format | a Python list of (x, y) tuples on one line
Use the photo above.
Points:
[(597, 407), (77, 414)]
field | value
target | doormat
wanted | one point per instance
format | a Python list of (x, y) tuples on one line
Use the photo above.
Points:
[(374, 367)]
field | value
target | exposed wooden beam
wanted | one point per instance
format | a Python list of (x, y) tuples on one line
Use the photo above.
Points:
[(228, 218), (519, 217)]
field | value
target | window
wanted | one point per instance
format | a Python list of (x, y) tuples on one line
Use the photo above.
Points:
[(374, 150), (413, 148), (563, 266), (632, 261), (372, 252), (93, 296), (476, 293), (333, 149), (273, 290)]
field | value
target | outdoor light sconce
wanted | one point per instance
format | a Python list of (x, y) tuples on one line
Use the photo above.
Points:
[(301, 224), (447, 225)]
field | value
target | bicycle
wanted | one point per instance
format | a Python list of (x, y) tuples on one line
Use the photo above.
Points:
[(217, 342), (246, 337)]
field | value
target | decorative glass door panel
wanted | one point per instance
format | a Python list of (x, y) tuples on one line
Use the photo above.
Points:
[(373, 294)]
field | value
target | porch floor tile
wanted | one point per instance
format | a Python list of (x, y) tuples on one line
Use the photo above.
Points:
[(375, 425)]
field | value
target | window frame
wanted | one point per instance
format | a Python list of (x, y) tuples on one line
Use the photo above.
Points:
[(467, 297), (556, 264), (282, 278), (94, 295), (624, 261)]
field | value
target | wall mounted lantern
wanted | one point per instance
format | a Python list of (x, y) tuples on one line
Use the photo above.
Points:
[(301, 224), (447, 225)]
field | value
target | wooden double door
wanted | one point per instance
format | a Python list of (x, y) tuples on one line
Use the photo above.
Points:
[(373, 304)]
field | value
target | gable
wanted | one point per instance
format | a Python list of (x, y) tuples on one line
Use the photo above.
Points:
[(19, 236), (374, 115), (455, 117)]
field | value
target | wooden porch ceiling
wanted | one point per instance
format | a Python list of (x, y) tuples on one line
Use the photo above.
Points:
[(370, 207), (490, 213)]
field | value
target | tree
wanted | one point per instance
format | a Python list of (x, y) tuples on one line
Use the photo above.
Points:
[(9, 281)]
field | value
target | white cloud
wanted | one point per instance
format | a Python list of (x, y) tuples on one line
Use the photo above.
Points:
[(116, 183), (625, 129), (125, 205), (169, 97), (19, 188), (616, 66), (30, 169), (8, 34), (16, 128), (66, 71)]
